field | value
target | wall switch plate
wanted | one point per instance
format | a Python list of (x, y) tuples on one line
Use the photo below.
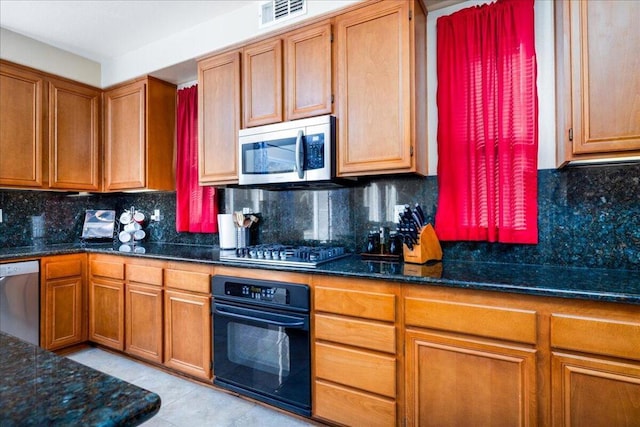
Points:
[(0, 215)]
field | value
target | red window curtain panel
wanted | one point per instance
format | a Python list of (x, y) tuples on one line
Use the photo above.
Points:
[(487, 124), (196, 206)]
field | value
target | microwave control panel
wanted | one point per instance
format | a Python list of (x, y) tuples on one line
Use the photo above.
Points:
[(314, 152)]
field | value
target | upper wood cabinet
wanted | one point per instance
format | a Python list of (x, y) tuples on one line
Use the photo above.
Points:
[(49, 131), (219, 119), (381, 89), (597, 65), (262, 82), (308, 83), (139, 132), (21, 116), (307, 76), (74, 136)]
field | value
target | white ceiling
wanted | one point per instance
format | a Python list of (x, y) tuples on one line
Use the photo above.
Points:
[(101, 30)]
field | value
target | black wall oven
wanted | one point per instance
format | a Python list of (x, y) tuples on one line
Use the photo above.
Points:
[(261, 343)]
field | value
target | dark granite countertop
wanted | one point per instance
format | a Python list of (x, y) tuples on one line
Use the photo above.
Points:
[(39, 388), (621, 286)]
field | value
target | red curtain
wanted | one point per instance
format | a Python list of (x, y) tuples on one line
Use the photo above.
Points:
[(487, 124), (196, 206)]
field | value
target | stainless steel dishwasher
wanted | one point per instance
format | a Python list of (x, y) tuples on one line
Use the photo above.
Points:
[(20, 300)]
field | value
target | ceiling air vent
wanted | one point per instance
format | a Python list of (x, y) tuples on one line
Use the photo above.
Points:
[(274, 11)]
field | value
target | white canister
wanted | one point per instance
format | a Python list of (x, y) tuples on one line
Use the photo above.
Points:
[(227, 231)]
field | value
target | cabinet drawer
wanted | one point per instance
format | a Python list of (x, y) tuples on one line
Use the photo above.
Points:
[(374, 336), (113, 270), (144, 274), (67, 268), (188, 280), (500, 323), (598, 336), (351, 407), (355, 368), (368, 305)]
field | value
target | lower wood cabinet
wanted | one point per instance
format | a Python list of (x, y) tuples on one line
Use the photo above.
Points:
[(595, 371), (187, 319), (188, 333), (159, 311), (106, 301), (355, 352), (143, 321), (64, 315), (452, 380), (143, 309)]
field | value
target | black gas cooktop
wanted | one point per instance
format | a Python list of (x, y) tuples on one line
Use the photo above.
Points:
[(283, 255)]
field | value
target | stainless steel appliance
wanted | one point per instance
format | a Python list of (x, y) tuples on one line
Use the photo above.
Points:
[(20, 300), (289, 256), (261, 344), (295, 152)]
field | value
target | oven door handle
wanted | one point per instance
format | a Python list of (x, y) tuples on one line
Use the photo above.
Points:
[(292, 325)]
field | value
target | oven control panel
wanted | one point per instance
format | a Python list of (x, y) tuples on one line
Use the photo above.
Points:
[(274, 295)]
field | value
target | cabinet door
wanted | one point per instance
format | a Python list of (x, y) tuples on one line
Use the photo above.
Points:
[(598, 43), (63, 301), (106, 313), (218, 119), (308, 72), (20, 127), (188, 333), (374, 89), (144, 321), (63, 321), (125, 137), (262, 83), (589, 391), (74, 136), (451, 380)]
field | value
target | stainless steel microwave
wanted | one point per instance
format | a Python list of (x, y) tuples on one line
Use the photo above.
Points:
[(295, 152)]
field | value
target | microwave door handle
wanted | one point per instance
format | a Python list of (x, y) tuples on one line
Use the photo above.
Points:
[(299, 154)]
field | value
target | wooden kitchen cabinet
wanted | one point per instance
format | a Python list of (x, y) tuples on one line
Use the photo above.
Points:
[(469, 362), (219, 119), (64, 315), (381, 89), (188, 320), (144, 310), (139, 133), (106, 301), (595, 370), (21, 127), (262, 82), (354, 352), (308, 71), (75, 122), (50, 131), (596, 45)]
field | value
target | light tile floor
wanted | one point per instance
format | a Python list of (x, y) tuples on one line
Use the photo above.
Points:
[(186, 403)]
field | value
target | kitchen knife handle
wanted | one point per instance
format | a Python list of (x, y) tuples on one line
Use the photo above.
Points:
[(299, 154)]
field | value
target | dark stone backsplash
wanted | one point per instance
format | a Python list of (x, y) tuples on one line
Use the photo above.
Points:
[(588, 216)]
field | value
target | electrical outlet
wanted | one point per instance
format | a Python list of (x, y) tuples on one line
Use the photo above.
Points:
[(397, 210), (0, 215)]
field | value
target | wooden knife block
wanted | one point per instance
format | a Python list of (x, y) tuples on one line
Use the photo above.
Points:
[(427, 249)]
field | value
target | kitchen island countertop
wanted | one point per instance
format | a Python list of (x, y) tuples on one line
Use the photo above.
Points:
[(39, 388), (621, 286)]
